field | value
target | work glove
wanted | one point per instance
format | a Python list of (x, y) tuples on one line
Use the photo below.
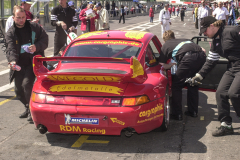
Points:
[(196, 80)]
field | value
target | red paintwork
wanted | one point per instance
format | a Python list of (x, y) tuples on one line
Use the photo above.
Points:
[(152, 83)]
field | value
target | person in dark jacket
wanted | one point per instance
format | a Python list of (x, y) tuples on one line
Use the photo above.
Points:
[(107, 6), (151, 14), (182, 13), (64, 18), (225, 43), (31, 35), (190, 58), (122, 11)]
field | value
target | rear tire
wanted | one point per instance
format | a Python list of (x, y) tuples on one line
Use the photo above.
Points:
[(166, 113)]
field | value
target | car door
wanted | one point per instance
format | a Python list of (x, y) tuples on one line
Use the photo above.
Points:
[(213, 78)]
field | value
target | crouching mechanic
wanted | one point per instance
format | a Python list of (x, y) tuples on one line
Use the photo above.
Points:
[(226, 43), (190, 58), (34, 38)]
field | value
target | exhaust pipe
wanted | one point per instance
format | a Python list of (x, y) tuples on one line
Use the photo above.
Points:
[(42, 129), (129, 132)]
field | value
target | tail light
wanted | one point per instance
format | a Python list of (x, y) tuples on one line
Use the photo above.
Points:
[(71, 100), (134, 101)]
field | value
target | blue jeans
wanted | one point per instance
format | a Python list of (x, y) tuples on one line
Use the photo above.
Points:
[(151, 19), (230, 21), (177, 13)]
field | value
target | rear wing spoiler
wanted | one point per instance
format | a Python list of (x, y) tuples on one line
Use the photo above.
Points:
[(135, 74)]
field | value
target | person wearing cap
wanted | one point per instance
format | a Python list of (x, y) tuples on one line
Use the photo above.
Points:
[(225, 43), (164, 18), (103, 20), (221, 13), (26, 5), (190, 58), (202, 12), (88, 22), (151, 14), (65, 19)]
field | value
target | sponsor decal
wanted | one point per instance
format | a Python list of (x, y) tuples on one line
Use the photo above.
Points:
[(152, 61), (83, 130), (151, 111), (78, 120), (137, 68), (86, 35), (149, 119), (86, 88), (115, 120), (84, 78), (111, 42), (135, 34)]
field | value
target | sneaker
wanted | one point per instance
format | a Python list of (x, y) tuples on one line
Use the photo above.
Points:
[(29, 118), (223, 130), (24, 114)]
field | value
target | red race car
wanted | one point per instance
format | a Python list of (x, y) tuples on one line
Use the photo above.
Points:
[(106, 82)]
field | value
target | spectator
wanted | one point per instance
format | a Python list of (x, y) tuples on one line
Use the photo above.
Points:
[(177, 9), (26, 5), (122, 14), (193, 13), (164, 18), (107, 6), (117, 10), (71, 4), (202, 12), (88, 22), (151, 14), (170, 11), (33, 36), (173, 11), (113, 9), (182, 14), (103, 20), (126, 10), (221, 13), (196, 16)]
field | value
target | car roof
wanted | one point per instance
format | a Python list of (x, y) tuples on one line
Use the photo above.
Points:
[(117, 34)]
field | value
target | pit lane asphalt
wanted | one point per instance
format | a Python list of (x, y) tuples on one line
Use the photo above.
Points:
[(189, 139)]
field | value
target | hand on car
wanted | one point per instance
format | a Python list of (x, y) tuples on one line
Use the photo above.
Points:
[(167, 66)]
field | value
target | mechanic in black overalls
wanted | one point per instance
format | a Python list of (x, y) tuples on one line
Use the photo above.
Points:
[(226, 43), (64, 18), (190, 58)]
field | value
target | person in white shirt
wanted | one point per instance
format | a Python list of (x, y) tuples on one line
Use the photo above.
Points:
[(9, 23), (164, 18), (221, 13), (103, 20), (202, 12)]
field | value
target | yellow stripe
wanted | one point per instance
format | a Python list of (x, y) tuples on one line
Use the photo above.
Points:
[(5, 101), (83, 139), (80, 141), (96, 141)]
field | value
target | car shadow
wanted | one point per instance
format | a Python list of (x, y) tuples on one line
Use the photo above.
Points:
[(181, 137)]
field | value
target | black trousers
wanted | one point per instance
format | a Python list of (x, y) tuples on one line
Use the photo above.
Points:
[(229, 88), (196, 23), (59, 42), (24, 80), (188, 66), (182, 17), (122, 17)]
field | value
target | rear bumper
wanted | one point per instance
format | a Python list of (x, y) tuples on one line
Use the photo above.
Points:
[(98, 120)]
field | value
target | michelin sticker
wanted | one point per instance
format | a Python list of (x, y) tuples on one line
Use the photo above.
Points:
[(78, 120)]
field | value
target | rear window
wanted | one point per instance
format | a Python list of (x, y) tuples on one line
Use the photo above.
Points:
[(104, 48)]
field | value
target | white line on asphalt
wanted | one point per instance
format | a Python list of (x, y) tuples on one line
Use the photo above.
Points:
[(184, 24), (4, 71), (6, 87)]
